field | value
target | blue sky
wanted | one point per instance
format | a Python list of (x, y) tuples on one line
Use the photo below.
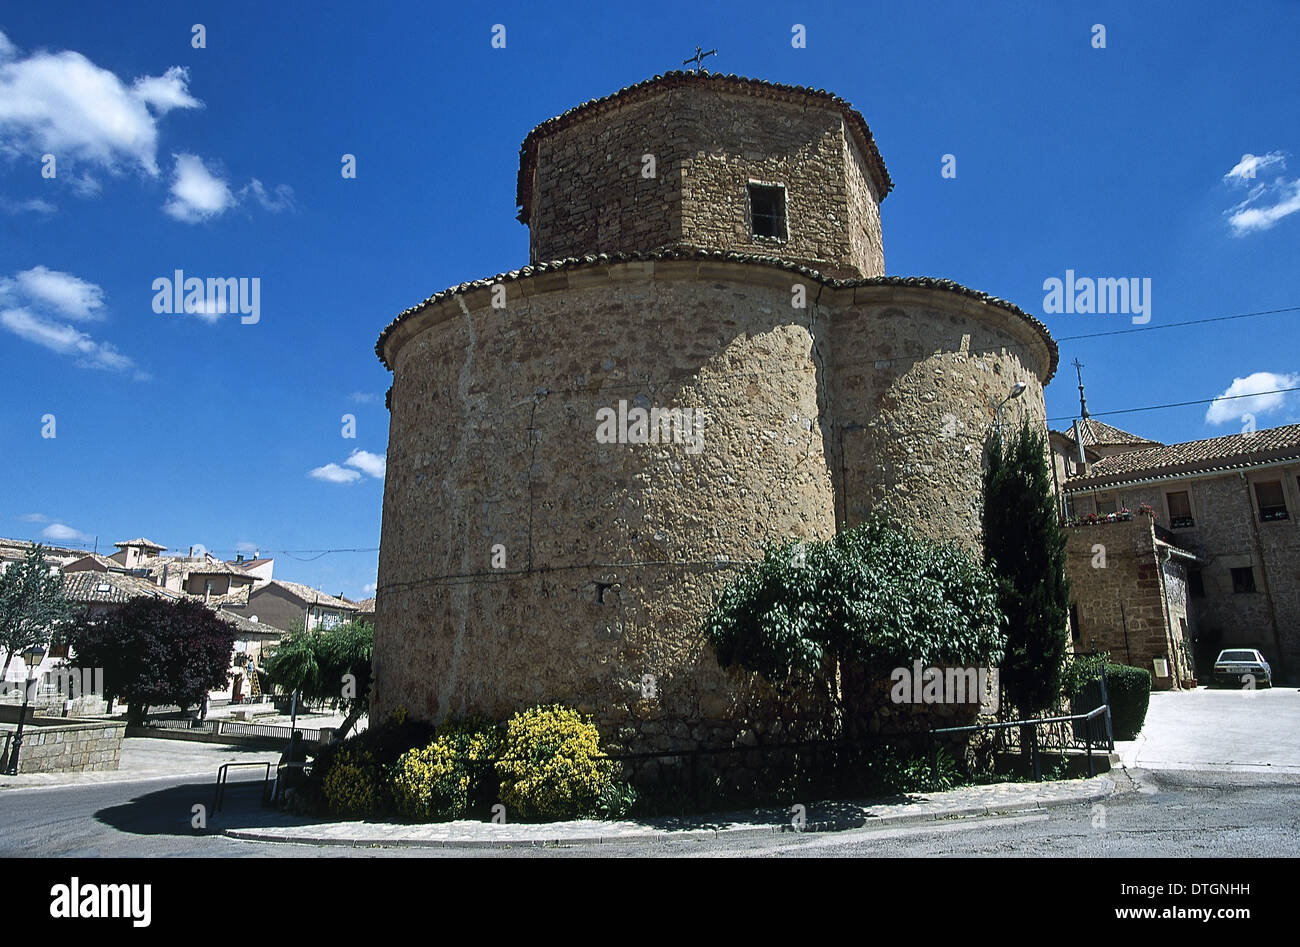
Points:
[(225, 161)]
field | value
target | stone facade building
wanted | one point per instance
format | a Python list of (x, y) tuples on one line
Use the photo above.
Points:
[(1225, 507), (706, 248)]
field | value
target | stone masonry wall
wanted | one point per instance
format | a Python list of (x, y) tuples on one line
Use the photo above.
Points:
[(1228, 533), (1121, 606), (590, 196), (66, 747), (916, 382), (614, 552)]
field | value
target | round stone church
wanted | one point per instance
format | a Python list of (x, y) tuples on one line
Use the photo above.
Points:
[(703, 355)]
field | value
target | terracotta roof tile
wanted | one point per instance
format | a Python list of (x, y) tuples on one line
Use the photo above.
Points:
[(139, 542), (110, 587), (308, 595), (698, 253), (1100, 434), (1212, 455)]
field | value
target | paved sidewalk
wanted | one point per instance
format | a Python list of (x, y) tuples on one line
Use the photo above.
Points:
[(821, 817), (1228, 730), (144, 758)]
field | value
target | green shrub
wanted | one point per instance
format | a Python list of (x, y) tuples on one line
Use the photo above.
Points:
[(1130, 694), (441, 781), (362, 786), (891, 771), (1079, 672), (1129, 689), (617, 800), (550, 766), (354, 786)]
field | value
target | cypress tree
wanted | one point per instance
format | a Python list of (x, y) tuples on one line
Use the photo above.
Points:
[(1025, 548)]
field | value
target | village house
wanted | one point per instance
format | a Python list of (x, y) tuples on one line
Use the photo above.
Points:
[(99, 584), (282, 603), (1200, 546)]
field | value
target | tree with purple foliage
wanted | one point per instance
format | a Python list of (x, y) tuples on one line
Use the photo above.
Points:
[(156, 652)]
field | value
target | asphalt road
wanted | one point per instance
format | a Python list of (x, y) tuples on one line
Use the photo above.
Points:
[(1182, 813)]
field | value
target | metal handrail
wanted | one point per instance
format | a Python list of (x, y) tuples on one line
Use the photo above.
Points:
[(220, 791), (1033, 724)]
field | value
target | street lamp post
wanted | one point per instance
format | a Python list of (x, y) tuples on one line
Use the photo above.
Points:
[(1017, 390), (33, 657)]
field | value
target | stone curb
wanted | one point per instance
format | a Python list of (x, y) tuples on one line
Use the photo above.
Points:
[(258, 835)]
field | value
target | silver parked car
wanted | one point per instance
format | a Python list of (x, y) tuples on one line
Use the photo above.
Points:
[(1240, 667)]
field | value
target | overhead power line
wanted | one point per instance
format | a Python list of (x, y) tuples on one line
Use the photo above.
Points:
[(1179, 404)]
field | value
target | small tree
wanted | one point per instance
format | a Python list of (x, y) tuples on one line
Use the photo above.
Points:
[(327, 665), (33, 606), (156, 652), (872, 599), (1025, 549)]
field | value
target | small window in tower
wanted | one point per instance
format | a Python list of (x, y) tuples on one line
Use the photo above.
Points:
[(767, 210), (1243, 579)]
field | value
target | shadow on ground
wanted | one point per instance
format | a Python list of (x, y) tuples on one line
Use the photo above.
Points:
[(172, 811), (821, 816)]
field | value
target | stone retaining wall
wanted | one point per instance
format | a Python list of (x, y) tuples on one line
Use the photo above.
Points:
[(65, 746)]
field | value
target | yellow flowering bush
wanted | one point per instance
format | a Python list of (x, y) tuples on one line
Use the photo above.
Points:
[(549, 766), (352, 787), (438, 782)]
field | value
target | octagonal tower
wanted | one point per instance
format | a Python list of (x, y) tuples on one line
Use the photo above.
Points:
[(526, 558), (712, 162)]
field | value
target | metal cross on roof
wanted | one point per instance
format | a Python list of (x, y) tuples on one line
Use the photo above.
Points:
[(698, 58), (1083, 404)]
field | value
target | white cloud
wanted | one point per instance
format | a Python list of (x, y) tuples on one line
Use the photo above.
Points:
[(34, 518), (364, 397), (333, 473), (64, 339), (376, 465), (197, 194), (1268, 201), (63, 104), (282, 199), (1282, 200), (1250, 165), (368, 590), (72, 297), (1232, 407), (35, 205), (61, 533), (166, 92)]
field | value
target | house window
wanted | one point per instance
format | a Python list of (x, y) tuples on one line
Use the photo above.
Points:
[(1272, 505), (1180, 509), (1243, 579), (1195, 584), (767, 210), (1106, 505)]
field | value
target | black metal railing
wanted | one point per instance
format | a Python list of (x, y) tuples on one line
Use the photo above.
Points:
[(1095, 726), (219, 793)]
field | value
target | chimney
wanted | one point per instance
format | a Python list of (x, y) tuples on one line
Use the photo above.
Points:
[(239, 558)]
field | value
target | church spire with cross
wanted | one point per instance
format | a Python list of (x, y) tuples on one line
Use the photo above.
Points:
[(1083, 402)]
